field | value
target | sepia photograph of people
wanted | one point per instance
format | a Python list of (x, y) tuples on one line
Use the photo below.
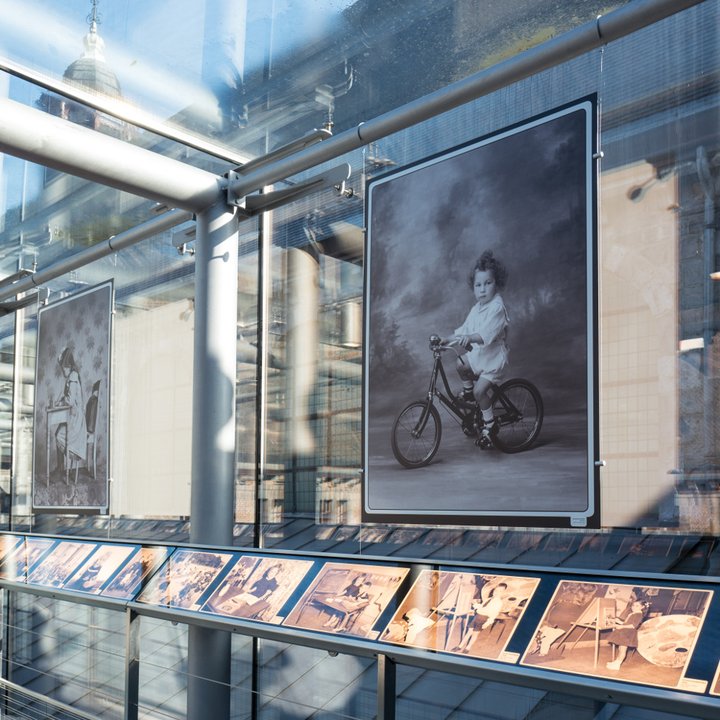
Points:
[(60, 563), (126, 583), (98, 568), (184, 577), (635, 633), (462, 613), (257, 589), (347, 598)]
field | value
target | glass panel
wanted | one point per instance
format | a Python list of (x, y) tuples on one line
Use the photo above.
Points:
[(233, 70), (658, 301), (304, 682), (71, 653), (656, 390)]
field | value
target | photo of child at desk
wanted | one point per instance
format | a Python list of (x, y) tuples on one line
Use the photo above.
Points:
[(346, 598), (462, 613)]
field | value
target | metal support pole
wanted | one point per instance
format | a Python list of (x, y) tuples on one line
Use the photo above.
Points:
[(708, 185), (132, 665), (303, 291), (386, 688), (213, 439)]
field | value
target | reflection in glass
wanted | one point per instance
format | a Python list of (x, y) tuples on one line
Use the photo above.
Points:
[(60, 563), (99, 567), (16, 565), (184, 577), (126, 583)]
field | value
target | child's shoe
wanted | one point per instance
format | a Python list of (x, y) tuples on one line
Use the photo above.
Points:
[(487, 432), (466, 395)]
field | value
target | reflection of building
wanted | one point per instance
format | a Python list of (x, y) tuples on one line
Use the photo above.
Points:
[(89, 72), (337, 498)]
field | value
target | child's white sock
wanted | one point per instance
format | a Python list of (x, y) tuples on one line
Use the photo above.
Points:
[(488, 416)]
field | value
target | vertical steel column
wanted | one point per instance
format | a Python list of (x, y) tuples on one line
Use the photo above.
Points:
[(132, 665), (303, 328), (386, 688), (213, 439)]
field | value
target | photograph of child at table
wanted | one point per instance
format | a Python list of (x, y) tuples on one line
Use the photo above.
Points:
[(462, 613), (346, 599), (635, 633)]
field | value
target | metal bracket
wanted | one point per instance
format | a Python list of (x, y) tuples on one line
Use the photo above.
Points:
[(254, 204), (316, 136), (37, 297), (19, 275), (181, 241)]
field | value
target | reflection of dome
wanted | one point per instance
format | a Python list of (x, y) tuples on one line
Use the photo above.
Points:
[(91, 71)]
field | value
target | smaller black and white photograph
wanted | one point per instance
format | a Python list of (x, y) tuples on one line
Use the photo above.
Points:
[(347, 599), (183, 579), (61, 562), (99, 568), (71, 413), (17, 563), (634, 633), (257, 589), (461, 613), (129, 580)]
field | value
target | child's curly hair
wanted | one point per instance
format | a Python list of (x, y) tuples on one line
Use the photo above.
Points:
[(487, 262)]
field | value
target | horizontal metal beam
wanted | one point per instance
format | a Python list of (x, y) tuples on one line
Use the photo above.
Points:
[(630, 18), (122, 110), (96, 252), (33, 135)]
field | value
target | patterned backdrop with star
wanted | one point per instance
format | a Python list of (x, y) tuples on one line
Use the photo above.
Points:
[(82, 323)]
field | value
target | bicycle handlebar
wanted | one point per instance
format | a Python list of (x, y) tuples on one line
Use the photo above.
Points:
[(437, 345)]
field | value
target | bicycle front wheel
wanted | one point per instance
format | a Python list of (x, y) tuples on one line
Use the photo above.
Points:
[(416, 434), (518, 410)]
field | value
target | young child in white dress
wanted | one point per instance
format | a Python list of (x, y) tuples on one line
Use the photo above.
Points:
[(483, 338)]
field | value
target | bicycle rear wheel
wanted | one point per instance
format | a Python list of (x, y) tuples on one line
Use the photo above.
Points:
[(416, 434), (518, 410)]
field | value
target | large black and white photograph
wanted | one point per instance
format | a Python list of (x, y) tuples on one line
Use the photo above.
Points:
[(71, 414), (479, 328)]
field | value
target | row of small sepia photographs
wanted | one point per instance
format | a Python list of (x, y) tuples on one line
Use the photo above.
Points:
[(623, 631)]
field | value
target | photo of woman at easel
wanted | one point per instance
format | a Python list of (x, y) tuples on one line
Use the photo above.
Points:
[(635, 633)]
